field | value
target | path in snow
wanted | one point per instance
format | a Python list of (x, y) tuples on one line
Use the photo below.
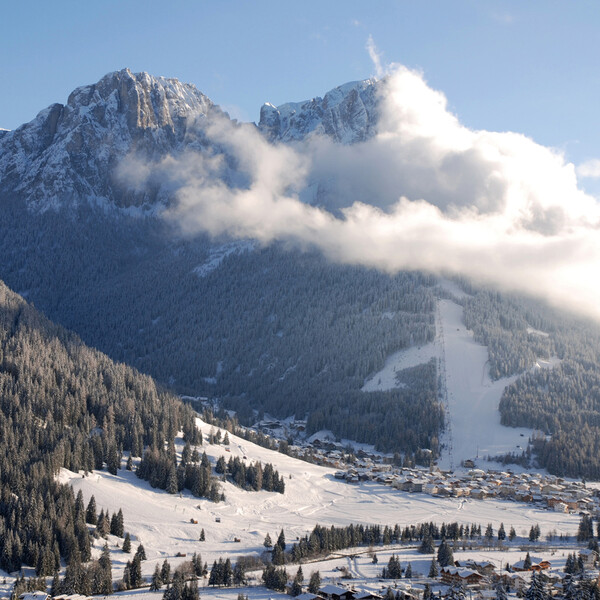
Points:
[(474, 427)]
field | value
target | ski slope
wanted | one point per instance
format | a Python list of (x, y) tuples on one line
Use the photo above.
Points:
[(471, 398)]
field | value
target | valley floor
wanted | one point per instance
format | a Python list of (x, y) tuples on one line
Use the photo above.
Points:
[(162, 522)]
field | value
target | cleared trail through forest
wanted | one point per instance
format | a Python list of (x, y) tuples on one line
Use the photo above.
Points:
[(470, 397)]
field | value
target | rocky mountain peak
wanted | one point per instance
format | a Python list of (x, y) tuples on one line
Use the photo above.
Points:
[(347, 114), (147, 102), (69, 152)]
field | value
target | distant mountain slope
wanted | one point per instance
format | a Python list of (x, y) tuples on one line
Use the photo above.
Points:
[(265, 329)]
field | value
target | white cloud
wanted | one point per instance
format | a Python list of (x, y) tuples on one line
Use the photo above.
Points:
[(375, 56), (423, 193), (590, 168)]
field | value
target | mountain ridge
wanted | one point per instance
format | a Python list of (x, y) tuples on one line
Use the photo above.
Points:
[(69, 153)]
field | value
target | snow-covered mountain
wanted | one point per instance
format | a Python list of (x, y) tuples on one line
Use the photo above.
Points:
[(69, 152), (264, 328), (347, 114)]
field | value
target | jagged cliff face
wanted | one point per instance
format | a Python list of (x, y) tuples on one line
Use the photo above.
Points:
[(347, 114), (68, 153)]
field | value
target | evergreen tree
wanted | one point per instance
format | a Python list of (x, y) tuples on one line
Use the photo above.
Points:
[(268, 543), (55, 587), (156, 582), (586, 529), (456, 592), (141, 552), (570, 591), (489, 533), (501, 533), (227, 573), (127, 544), (165, 571), (127, 576), (501, 591), (197, 564), (277, 555), (202, 535), (281, 541), (103, 525), (216, 576), (570, 564), (444, 555), (105, 586), (176, 590), (393, 569), (427, 594), (296, 588), (190, 591), (239, 574), (427, 546), (512, 534), (433, 568), (135, 572), (408, 572), (314, 583), (91, 516), (536, 590)]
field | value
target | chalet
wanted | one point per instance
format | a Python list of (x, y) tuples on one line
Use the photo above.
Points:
[(366, 595), (589, 557), (560, 507), (537, 564), (452, 575), (484, 568), (37, 595), (430, 488), (307, 596), (335, 592), (417, 486), (478, 493)]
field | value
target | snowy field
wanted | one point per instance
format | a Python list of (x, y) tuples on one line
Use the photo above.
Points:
[(385, 379), (162, 522)]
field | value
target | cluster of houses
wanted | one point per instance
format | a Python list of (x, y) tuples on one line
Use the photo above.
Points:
[(469, 482), (553, 492), (480, 578)]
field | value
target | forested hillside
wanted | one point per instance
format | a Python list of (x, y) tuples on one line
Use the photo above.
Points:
[(563, 402), (63, 404), (268, 329)]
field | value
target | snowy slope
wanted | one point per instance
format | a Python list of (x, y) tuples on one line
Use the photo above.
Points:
[(471, 397), (162, 521)]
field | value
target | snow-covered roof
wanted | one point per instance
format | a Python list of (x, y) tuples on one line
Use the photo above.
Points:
[(330, 589)]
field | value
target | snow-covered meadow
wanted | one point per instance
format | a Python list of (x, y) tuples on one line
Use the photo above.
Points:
[(163, 522)]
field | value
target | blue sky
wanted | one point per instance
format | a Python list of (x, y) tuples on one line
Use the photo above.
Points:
[(530, 67)]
